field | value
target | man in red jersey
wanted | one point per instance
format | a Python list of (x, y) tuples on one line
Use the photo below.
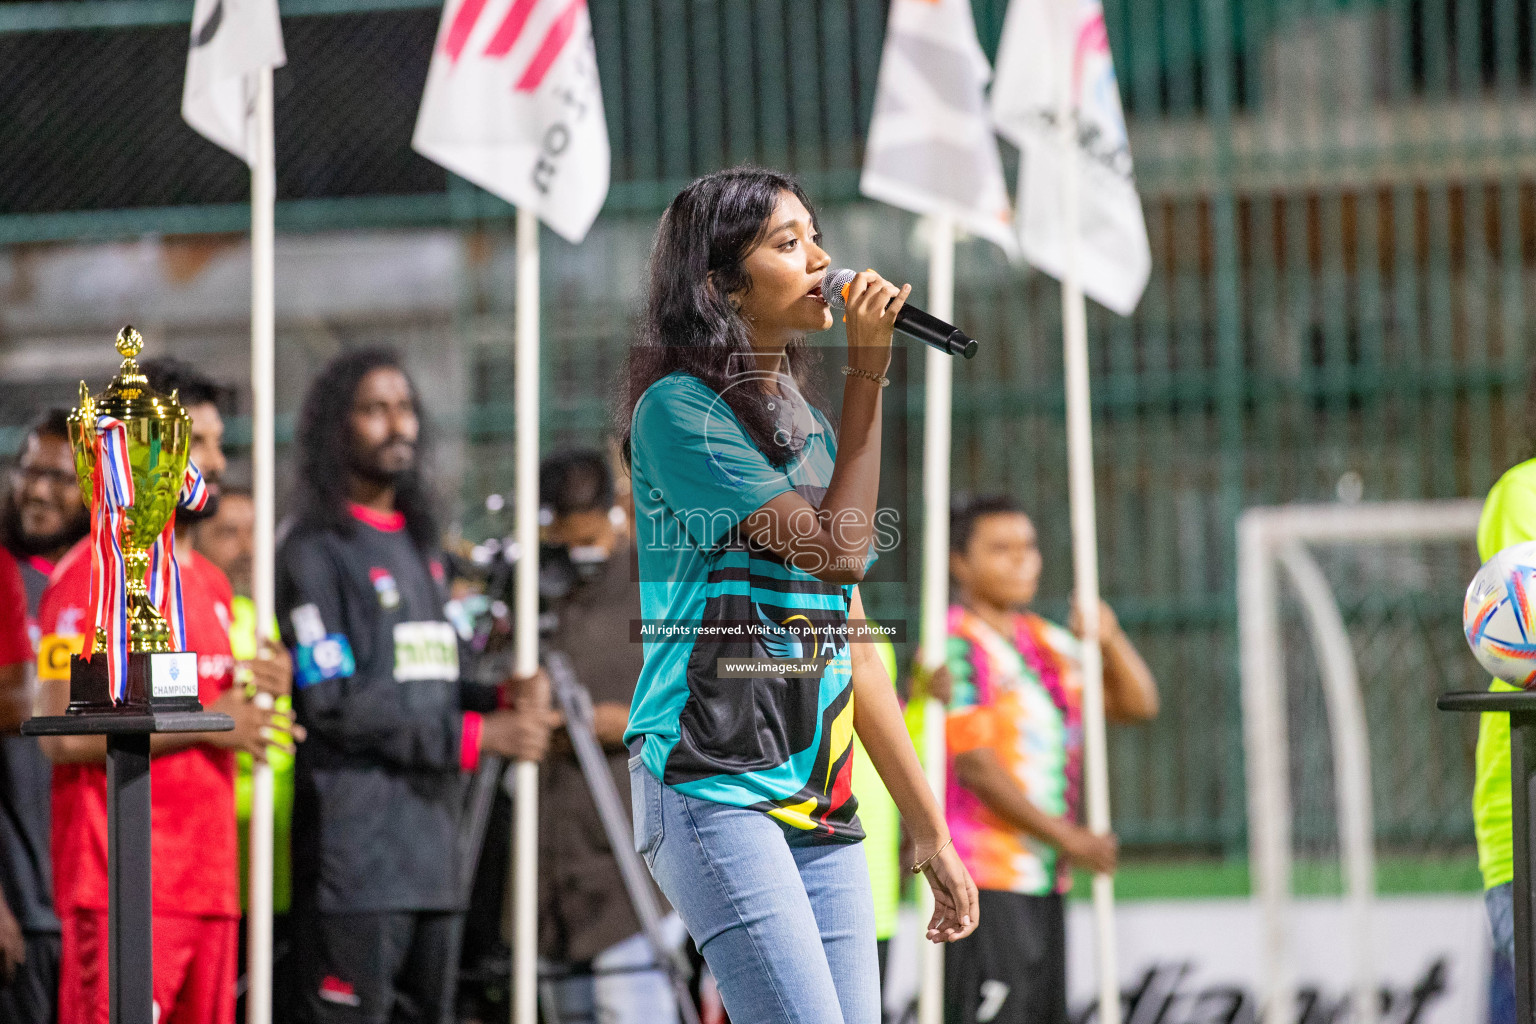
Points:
[(41, 518), (28, 954), (41, 515), (196, 897)]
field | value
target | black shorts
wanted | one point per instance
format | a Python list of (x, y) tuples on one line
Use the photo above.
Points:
[(1013, 968), (31, 996), (375, 968)]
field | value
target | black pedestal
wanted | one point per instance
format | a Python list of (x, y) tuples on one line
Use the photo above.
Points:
[(1522, 783), (130, 964)]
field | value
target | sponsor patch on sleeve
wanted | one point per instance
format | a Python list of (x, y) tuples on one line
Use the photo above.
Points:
[(330, 657)]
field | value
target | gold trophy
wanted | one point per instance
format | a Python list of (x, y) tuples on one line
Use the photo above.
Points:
[(131, 446)]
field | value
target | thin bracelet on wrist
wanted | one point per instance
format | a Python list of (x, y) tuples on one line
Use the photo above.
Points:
[(878, 378), (917, 869)]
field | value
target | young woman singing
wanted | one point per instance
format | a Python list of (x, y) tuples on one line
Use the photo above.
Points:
[(755, 522)]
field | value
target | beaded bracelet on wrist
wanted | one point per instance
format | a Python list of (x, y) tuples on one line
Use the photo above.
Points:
[(878, 378)]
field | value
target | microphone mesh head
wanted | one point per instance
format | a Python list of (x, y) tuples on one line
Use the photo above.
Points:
[(832, 286)]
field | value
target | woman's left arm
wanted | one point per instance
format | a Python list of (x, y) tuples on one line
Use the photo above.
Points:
[(878, 721)]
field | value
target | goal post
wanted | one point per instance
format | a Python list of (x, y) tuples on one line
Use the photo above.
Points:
[(1278, 543)]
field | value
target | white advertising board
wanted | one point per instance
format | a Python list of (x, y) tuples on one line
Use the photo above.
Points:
[(1196, 961)]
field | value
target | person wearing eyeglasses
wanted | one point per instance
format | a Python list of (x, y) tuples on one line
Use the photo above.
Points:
[(42, 516)]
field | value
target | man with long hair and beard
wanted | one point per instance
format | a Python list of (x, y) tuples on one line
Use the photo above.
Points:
[(196, 878), (378, 892)]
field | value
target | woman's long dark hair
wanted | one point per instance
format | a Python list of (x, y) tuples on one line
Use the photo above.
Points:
[(690, 323), (322, 441)]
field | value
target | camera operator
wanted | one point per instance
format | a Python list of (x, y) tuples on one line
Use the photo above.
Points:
[(587, 926)]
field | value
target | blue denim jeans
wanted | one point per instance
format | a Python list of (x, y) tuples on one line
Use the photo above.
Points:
[(1500, 904), (788, 930)]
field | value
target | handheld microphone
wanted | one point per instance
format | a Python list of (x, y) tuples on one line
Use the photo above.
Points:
[(910, 320)]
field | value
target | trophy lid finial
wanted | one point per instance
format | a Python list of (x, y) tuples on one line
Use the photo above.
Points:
[(129, 342)]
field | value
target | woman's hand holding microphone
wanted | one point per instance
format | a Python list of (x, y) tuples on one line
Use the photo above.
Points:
[(872, 305)]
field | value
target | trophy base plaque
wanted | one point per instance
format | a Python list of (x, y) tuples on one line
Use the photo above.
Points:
[(157, 683)]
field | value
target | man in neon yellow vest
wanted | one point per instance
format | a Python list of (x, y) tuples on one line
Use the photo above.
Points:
[(882, 830), (228, 541), (1509, 518)]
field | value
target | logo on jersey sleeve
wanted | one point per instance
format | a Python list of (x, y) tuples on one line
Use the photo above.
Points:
[(426, 651), (68, 623), (327, 658)]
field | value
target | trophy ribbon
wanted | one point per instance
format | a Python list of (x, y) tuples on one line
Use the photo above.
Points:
[(164, 572), (113, 487)]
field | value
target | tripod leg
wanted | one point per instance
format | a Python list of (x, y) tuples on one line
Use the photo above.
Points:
[(576, 703), (549, 1008)]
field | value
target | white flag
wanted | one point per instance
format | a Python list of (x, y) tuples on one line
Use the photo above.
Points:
[(1048, 46), (931, 147), (231, 41), (513, 104)]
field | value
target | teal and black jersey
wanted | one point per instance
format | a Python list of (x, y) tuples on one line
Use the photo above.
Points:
[(781, 743)]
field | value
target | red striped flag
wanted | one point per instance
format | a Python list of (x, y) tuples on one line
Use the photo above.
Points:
[(512, 103)]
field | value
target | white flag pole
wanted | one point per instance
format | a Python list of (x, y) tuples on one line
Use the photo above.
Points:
[(525, 831), (934, 635), (1085, 545), (263, 315)]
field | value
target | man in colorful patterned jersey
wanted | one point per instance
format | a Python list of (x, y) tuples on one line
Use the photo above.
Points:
[(41, 517), (195, 896), (1015, 747), (378, 889)]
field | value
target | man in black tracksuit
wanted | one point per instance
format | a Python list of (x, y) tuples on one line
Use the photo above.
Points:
[(379, 784)]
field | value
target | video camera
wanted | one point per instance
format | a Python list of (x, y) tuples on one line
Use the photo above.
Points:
[(484, 618)]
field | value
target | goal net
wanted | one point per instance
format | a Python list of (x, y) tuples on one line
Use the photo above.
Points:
[(1350, 627)]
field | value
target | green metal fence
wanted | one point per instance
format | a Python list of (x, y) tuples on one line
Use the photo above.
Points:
[(1341, 198)]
